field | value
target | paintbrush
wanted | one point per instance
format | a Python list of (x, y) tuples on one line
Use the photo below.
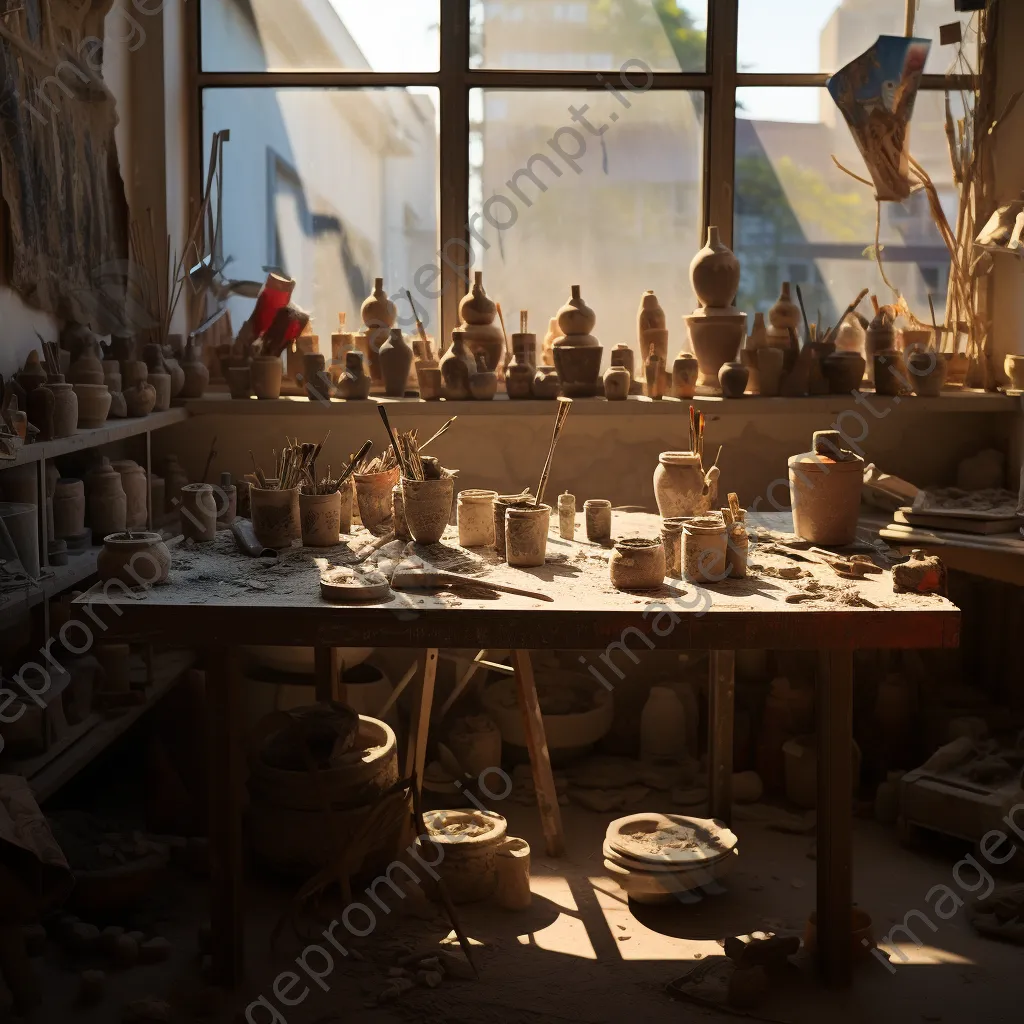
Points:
[(443, 430), (427, 354), (394, 443), (561, 414), (849, 309), (803, 313), (693, 430), (354, 464)]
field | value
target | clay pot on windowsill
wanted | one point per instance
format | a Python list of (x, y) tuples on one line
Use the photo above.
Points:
[(519, 381), (927, 372), (716, 337), (616, 383), (546, 383), (239, 382), (844, 371), (637, 564), (428, 507), (267, 372), (578, 366)]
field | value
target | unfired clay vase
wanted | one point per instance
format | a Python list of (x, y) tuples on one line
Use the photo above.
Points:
[(138, 561), (65, 407), (567, 516), (395, 357), (378, 314), (482, 335), (519, 381), (275, 516), (770, 361), (136, 492), (844, 371), (266, 372), (428, 507), (457, 366), (140, 399), (597, 515), (431, 384), (705, 544), (715, 273), (501, 506), (716, 338), (654, 373), (685, 370), (161, 384), (355, 382), (68, 508), (239, 381), (87, 368), (108, 506), (195, 375), (483, 384), (785, 314), (927, 373), (733, 378), (890, 372), (825, 492), (475, 517), (198, 512), (526, 534), (373, 496), (546, 383), (616, 383), (577, 353), (1013, 367), (637, 564), (650, 327), (681, 489), (93, 405), (623, 355), (321, 519)]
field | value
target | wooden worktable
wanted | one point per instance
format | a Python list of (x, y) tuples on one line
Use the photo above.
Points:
[(217, 600)]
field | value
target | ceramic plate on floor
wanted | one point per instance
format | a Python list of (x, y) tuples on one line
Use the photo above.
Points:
[(669, 838)]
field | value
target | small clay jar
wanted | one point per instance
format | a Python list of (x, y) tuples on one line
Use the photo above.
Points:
[(267, 373), (927, 372), (672, 542), (685, 371), (880, 337), (501, 505), (373, 496), (654, 370), (395, 356), (93, 405), (526, 534), (483, 385), (715, 273), (431, 386), (637, 564), (704, 549), (68, 508), (428, 507), (567, 516), (132, 372), (524, 351), (617, 382), (136, 491), (275, 516), (844, 371), (108, 505), (598, 514), (519, 381), (733, 378), (457, 366), (239, 382), (140, 399), (475, 517), (398, 511), (770, 363), (890, 372), (172, 363), (198, 512), (546, 383), (315, 378), (136, 560), (87, 368), (623, 355), (320, 515), (354, 382), (161, 383)]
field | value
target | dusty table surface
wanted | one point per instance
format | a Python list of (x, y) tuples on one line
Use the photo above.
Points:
[(214, 594)]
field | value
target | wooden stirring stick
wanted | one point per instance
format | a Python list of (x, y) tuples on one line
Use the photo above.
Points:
[(564, 405)]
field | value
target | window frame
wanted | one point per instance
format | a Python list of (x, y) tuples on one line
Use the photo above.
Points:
[(455, 78)]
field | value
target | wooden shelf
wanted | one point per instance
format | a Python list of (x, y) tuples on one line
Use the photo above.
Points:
[(47, 772), (112, 430), (58, 578)]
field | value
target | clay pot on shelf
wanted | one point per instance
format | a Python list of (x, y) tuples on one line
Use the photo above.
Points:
[(770, 363), (890, 372), (927, 372), (650, 327), (880, 337), (431, 385), (315, 379), (136, 560), (483, 385), (623, 355), (825, 495), (844, 371), (118, 406), (68, 508), (704, 549), (172, 363), (519, 381), (320, 515), (140, 400), (475, 517), (637, 564), (132, 372), (526, 534), (597, 515), (195, 375), (616, 383), (93, 405), (654, 372), (275, 516), (373, 496), (198, 511), (715, 273), (524, 351), (267, 372), (161, 384), (108, 505), (546, 383), (136, 492), (65, 407), (457, 366), (579, 368), (681, 489), (239, 381), (87, 368), (733, 378), (914, 339), (40, 412), (483, 336), (428, 507), (716, 338), (354, 383), (685, 370), (32, 375), (575, 317), (395, 356), (1013, 367)]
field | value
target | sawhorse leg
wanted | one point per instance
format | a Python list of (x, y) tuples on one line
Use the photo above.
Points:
[(721, 701), (540, 759)]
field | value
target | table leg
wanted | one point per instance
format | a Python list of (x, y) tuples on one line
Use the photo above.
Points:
[(223, 693), (419, 727), (540, 758), (835, 817), (721, 702), (325, 677)]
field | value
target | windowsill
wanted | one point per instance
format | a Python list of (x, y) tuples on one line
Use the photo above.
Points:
[(218, 403)]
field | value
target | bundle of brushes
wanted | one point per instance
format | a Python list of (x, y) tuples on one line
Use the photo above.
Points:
[(294, 466), (405, 452)]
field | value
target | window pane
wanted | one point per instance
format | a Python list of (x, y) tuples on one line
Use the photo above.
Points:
[(824, 35), (618, 214), (799, 218), (333, 187), (325, 35), (589, 35)]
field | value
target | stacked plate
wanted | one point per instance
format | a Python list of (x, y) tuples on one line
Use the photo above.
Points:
[(665, 858)]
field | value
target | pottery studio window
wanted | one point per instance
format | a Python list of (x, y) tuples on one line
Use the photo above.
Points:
[(549, 143)]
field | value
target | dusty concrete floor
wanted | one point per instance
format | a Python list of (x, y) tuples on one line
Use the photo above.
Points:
[(582, 953)]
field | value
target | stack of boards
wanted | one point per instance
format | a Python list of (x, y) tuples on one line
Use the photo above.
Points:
[(667, 858)]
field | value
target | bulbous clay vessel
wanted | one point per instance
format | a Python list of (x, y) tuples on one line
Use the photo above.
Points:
[(733, 377), (715, 273), (379, 315), (927, 373), (681, 489), (483, 385), (576, 318), (140, 399), (133, 371), (396, 356), (87, 368), (196, 375), (476, 307), (577, 353), (93, 405), (616, 383), (685, 370), (637, 564), (138, 561), (483, 335), (354, 382), (457, 366)]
